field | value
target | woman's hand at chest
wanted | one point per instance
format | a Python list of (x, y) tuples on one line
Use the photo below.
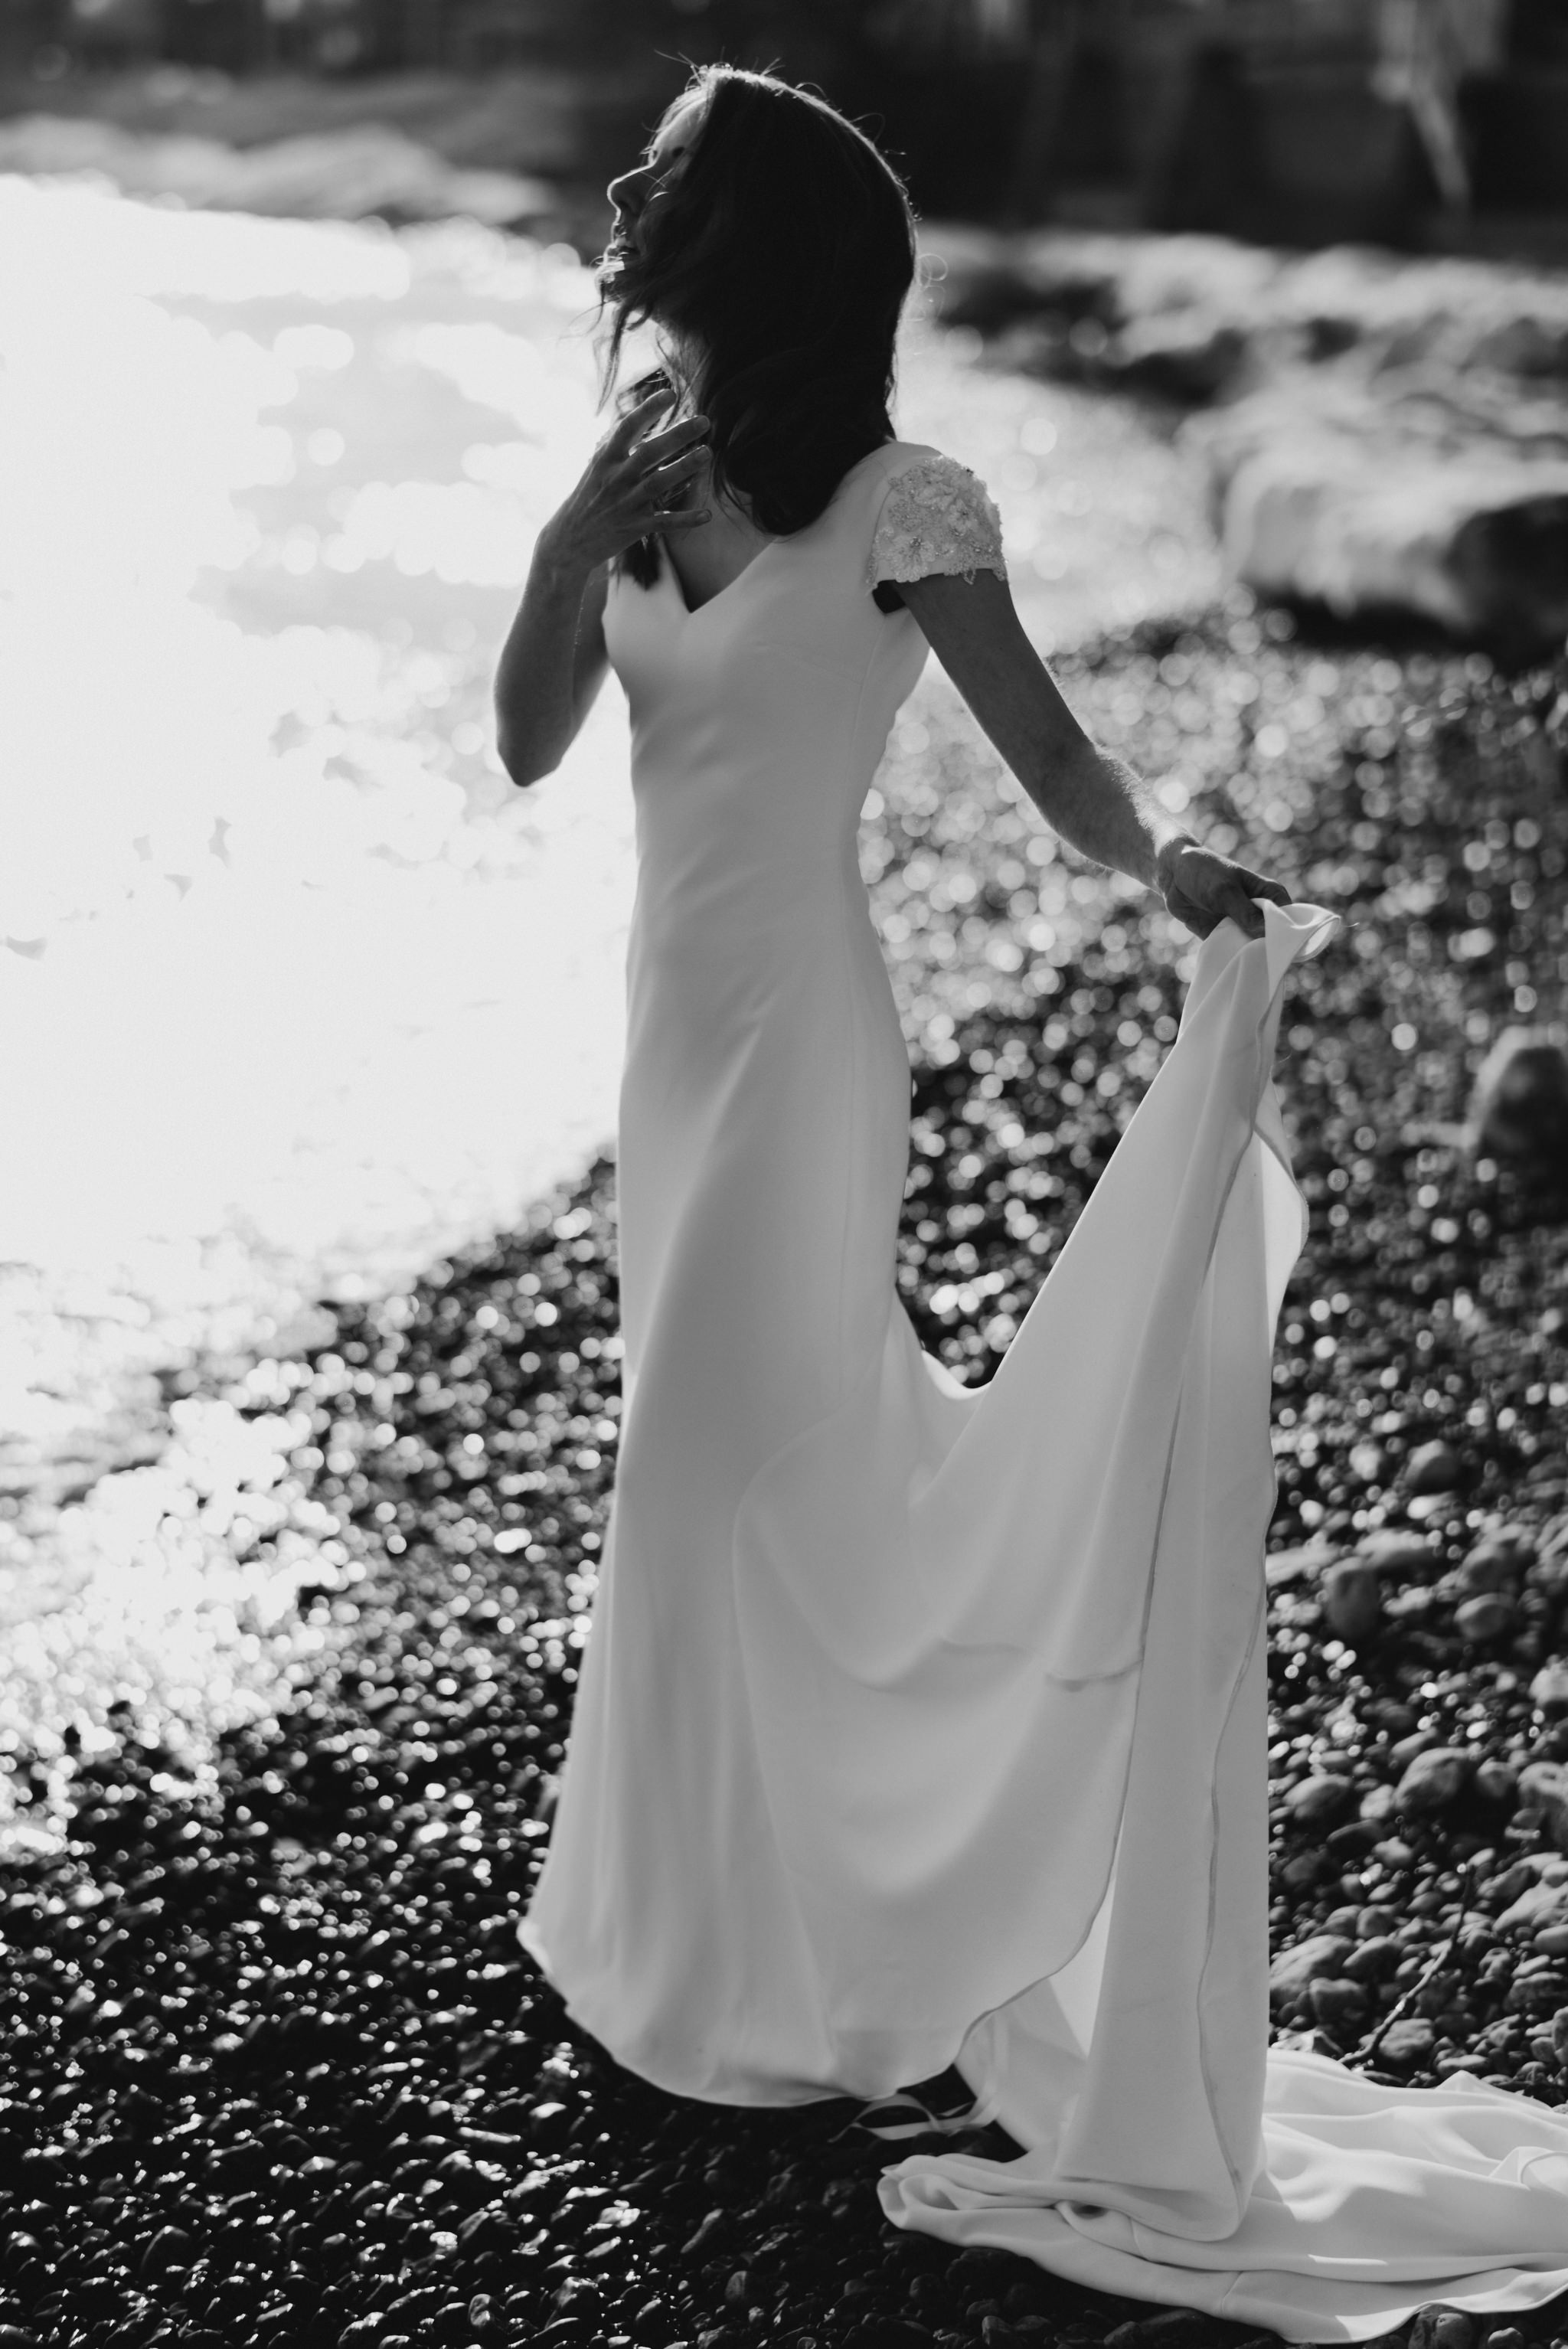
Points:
[(640, 479)]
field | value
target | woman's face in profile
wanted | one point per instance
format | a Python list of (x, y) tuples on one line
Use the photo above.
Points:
[(636, 194)]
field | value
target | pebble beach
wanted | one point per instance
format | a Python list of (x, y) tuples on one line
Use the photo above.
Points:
[(302, 1528)]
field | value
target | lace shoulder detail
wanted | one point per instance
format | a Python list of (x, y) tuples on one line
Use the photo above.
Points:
[(936, 517)]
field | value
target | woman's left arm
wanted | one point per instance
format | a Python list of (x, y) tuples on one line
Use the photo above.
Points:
[(1097, 803)]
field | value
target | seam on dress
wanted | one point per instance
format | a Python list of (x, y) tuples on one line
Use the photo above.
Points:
[(812, 1427), (854, 1041), (852, 1111), (802, 1435)]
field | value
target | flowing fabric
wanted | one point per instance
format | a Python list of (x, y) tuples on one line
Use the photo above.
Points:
[(922, 1726)]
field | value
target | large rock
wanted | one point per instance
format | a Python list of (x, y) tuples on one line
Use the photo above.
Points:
[(1320, 496)]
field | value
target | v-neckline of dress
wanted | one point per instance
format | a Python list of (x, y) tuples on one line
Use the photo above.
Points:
[(694, 611)]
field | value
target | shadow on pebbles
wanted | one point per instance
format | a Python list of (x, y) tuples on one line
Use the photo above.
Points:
[(272, 2064)]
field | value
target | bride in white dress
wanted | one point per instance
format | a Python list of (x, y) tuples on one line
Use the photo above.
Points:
[(920, 1725)]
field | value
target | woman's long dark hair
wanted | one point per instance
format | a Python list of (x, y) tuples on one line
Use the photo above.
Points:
[(783, 252)]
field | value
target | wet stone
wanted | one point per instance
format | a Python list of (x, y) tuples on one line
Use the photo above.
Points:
[(1374, 1958), (1497, 1782), (1486, 1617), (1321, 1954), (1321, 1801), (1433, 1780), (1549, 1689), (1434, 1467), (1543, 1786), (1352, 1600), (1498, 1562), (1437, 2327), (1340, 2005), (1407, 2043)]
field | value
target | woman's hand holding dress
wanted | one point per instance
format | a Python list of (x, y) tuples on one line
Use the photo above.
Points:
[(939, 538), (1095, 803), (1202, 888)]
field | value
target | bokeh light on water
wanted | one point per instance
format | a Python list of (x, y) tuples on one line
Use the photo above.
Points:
[(295, 989), (296, 986), (288, 955)]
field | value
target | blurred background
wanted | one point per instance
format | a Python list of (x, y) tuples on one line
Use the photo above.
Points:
[(1245, 309), (1306, 121)]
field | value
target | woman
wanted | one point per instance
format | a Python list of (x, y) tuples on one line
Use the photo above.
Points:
[(922, 1726)]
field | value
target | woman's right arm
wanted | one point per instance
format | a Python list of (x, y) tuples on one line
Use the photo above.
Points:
[(553, 661)]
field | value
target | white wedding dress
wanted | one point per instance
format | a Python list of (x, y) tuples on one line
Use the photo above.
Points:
[(917, 1725)]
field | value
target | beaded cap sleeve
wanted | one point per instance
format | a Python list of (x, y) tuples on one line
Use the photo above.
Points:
[(936, 517)]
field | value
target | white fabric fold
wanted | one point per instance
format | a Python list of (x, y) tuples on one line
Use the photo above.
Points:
[(1369, 2202)]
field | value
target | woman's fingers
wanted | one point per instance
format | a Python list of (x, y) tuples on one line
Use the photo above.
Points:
[(1251, 892), (621, 435), (677, 436), (1209, 889), (661, 479), (666, 489), (658, 447), (1199, 922), (1233, 905), (689, 459), (1257, 884)]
